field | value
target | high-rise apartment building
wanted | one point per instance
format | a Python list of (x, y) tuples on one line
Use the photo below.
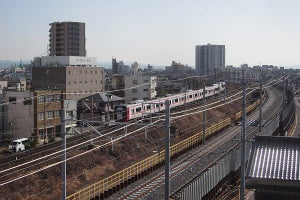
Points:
[(67, 39), (208, 58)]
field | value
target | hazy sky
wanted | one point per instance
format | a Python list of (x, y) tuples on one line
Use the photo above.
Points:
[(158, 31)]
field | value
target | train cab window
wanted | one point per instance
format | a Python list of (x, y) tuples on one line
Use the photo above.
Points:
[(138, 109)]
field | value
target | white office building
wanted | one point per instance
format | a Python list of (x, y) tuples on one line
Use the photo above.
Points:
[(139, 87)]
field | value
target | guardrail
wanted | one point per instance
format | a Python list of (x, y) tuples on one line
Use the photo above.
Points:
[(128, 175)]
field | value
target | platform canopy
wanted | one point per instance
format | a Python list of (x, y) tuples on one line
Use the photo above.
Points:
[(274, 163)]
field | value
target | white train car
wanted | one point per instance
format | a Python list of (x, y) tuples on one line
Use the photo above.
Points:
[(139, 109)]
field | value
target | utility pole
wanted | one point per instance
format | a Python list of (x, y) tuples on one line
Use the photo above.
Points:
[(167, 151), (45, 134), (225, 85), (64, 156), (243, 136), (185, 96), (204, 116), (92, 109), (283, 96)]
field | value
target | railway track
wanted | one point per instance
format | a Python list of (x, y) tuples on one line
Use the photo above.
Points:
[(144, 189), (47, 156)]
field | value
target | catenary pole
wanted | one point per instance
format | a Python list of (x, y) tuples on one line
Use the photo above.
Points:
[(260, 104), (204, 115), (243, 136), (64, 157), (167, 150)]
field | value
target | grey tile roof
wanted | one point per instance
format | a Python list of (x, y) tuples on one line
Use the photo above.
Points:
[(274, 158), (103, 97)]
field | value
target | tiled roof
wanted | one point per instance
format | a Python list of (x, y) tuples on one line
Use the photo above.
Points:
[(275, 158)]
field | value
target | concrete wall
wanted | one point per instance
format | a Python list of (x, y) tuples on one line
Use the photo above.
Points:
[(19, 118)]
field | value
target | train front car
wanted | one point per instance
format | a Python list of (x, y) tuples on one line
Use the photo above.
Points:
[(121, 114)]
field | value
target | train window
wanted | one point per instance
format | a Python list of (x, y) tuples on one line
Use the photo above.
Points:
[(138, 109), (161, 104), (119, 112), (176, 100), (190, 96), (196, 94), (157, 105), (132, 110), (148, 107)]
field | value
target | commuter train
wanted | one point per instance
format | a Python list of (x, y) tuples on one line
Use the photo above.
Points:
[(139, 109)]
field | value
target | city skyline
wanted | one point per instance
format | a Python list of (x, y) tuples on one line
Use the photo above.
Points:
[(157, 32)]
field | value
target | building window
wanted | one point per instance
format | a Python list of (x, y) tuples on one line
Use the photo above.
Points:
[(91, 81), (80, 82), (75, 82), (85, 72), (96, 72), (69, 72), (47, 99), (27, 101), (91, 72), (69, 115), (134, 90), (134, 81), (51, 98), (12, 99), (41, 99), (69, 82), (58, 97), (41, 134), (96, 81), (86, 82), (56, 113), (41, 116), (50, 114)]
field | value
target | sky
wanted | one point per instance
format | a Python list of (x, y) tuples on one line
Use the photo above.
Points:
[(158, 31)]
